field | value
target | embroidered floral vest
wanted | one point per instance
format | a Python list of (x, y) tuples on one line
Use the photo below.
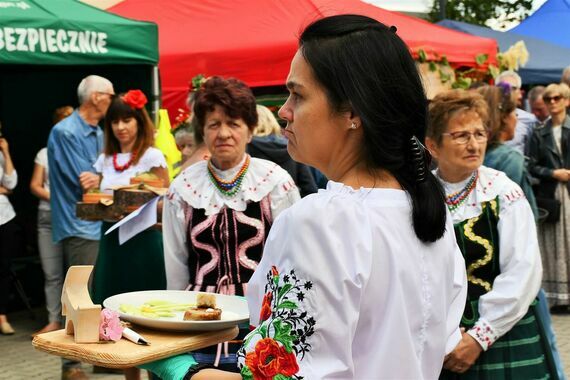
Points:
[(478, 240), (226, 247)]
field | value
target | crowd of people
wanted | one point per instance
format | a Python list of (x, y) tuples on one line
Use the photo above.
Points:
[(451, 267)]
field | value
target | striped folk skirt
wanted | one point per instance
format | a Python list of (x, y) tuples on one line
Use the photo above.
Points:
[(522, 353)]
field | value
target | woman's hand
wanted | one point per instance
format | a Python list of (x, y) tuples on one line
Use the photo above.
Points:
[(562, 175), (4, 146), (4, 191), (89, 180), (464, 354)]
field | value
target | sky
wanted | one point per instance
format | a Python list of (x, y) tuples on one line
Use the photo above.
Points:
[(423, 6)]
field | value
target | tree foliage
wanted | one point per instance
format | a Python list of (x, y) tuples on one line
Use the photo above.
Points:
[(478, 12)]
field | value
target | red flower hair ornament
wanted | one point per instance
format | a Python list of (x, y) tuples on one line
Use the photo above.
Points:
[(135, 98)]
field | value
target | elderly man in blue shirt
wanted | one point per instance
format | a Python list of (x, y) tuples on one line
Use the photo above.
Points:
[(73, 147), (526, 121)]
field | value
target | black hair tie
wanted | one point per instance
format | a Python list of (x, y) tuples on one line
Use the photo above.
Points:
[(421, 159), (393, 29)]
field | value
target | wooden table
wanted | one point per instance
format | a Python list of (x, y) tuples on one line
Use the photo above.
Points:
[(126, 354)]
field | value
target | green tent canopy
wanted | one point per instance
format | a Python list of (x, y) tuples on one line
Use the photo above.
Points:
[(67, 32)]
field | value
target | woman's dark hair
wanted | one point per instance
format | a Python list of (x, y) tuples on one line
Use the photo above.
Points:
[(366, 69), (119, 110), (234, 96)]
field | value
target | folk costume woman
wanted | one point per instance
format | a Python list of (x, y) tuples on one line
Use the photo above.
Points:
[(362, 280), (218, 212), (495, 230), (138, 264)]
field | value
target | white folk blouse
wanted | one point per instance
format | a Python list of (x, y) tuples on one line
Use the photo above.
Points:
[(152, 158), (346, 290), (9, 182), (520, 264), (194, 188)]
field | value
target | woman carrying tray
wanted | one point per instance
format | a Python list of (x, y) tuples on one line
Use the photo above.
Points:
[(363, 280), (138, 264)]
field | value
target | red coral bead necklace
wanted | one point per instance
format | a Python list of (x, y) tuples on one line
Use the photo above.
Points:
[(122, 168)]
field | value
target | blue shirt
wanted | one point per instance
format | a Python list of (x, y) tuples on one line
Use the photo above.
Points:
[(73, 147)]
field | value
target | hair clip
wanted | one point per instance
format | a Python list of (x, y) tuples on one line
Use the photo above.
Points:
[(505, 87)]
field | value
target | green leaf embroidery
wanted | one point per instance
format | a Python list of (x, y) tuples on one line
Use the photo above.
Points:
[(287, 305), (283, 335), (284, 290), (432, 67), (281, 377), (246, 373)]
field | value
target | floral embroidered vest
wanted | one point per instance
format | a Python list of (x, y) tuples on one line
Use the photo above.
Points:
[(226, 247), (478, 240)]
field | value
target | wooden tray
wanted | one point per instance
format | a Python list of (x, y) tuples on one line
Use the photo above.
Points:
[(126, 354), (125, 201)]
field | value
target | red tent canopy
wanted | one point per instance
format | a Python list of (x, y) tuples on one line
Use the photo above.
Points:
[(255, 40)]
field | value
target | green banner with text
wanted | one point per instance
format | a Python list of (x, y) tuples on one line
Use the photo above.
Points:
[(67, 32)]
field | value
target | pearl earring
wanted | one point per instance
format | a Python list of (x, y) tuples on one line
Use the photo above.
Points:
[(353, 125)]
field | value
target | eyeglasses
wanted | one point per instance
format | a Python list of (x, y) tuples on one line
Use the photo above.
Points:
[(106, 93), (555, 98), (463, 137)]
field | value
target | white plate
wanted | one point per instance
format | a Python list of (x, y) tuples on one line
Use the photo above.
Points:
[(234, 310)]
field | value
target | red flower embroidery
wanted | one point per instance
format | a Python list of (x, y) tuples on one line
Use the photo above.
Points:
[(265, 312), (135, 98), (269, 360), (274, 271)]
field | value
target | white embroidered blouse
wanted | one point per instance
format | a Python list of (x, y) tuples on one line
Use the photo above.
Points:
[(520, 264), (346, 290)]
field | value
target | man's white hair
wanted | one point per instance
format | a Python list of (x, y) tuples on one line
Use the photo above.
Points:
[(90, 84), (566, 76), (509, 74)]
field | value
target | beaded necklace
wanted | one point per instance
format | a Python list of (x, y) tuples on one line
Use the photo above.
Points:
[(228, 188), (456, 199), (122, 168)]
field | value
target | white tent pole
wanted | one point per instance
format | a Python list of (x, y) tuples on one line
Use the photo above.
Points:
[(155, 92)]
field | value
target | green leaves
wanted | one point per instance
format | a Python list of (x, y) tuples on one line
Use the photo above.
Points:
[(481, 59), (479, 12), (422, 57)]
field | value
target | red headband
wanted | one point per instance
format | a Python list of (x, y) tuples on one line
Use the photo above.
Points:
[(135, 98)]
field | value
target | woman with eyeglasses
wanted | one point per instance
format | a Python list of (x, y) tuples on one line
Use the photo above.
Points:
[(550, 162), (495, 230)]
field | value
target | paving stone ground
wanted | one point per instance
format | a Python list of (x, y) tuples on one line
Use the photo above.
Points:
[(20, 361)]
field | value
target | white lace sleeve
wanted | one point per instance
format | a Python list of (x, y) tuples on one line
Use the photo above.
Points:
[(153, 158), (174, 238), (98, 165)]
